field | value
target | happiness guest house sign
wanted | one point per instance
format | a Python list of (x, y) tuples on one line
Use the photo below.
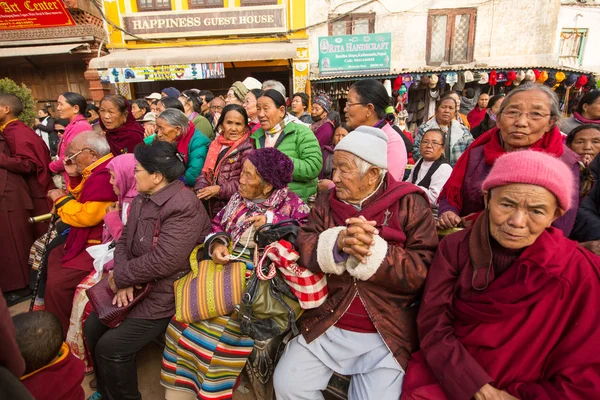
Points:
[(29, 14), (245, 20)]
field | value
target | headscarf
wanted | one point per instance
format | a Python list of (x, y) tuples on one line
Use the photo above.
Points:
[(239, 89), (122, 168), (550, 142), (124, 138)]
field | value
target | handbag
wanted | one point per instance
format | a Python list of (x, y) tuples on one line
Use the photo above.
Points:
[(269, 307), (210, 290)]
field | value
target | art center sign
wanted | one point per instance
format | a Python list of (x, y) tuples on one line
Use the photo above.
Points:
[(30, 14), (355, 53), (245, 20)]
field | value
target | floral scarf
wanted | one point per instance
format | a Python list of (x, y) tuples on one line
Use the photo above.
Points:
[(211, 169), (272, 134)]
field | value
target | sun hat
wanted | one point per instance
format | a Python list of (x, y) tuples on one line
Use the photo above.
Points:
[(149, 117), (153, 96)]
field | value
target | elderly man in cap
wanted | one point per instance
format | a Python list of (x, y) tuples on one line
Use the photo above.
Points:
[(375, 238)]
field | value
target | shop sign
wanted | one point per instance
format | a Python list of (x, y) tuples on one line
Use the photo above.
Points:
[(29, 14), (180, 72), (244, 20), (355, 53)]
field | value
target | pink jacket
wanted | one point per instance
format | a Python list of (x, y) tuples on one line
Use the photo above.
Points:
[(396, 152), (77, 125)]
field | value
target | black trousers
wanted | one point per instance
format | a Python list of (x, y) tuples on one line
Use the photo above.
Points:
[(113, 353)]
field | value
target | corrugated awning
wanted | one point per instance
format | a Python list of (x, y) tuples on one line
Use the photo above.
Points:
[(196, 55), (39, 50)]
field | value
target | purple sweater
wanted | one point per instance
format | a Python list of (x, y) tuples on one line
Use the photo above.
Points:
[(478, 170)]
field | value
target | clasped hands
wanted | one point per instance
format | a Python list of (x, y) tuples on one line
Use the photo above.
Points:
[(122, 296), (358, 238)]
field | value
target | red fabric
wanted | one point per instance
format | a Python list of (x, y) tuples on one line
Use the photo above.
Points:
[(532, 332), (124, 138), (183, 143), (97, 187), (59, 381), (475, 116), (10, 355), (550, 143), (211, 169)]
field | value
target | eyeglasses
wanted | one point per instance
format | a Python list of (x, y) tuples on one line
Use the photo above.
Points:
[(426, 143), (533, 116), (71, 159), (216, 108)]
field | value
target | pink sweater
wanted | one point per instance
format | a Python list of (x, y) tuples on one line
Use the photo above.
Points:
[(77, 125), (396, 152)]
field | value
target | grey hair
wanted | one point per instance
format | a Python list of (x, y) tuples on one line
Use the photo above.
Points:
[(364, 166), (271, 84), (552, 98), (175, 118), (94, 141)]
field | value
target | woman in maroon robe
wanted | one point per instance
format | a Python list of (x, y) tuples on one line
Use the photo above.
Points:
[(123, 132), (510, 309)]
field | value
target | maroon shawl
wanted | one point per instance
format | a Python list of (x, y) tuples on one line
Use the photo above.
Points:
[(97, 187), (383, 208), (124, 138)]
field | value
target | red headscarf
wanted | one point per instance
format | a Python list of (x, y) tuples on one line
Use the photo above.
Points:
[(124, 138), (550, 143)]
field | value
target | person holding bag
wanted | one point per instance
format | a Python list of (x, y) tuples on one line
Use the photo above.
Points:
[(153, 250), (263, 197)]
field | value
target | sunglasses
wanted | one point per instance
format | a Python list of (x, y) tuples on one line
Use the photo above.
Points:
[(71, 159)]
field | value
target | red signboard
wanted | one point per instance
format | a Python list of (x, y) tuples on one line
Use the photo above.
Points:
[(30, 14)]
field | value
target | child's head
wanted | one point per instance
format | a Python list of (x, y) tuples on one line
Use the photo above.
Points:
[(39, 336)]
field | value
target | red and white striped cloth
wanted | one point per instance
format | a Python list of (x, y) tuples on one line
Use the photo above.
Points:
[(309, 287)]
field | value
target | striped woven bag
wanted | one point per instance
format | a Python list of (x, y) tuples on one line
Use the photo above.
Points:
[(209, 290)]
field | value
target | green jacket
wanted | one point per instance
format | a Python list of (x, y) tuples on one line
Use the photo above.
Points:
[(300, 144), (204, 126), (196, 156)]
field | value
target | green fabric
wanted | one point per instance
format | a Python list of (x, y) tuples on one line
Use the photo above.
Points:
[(204, 126), (302, 146), (196, 155)]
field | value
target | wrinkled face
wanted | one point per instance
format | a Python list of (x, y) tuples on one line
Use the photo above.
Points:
[(250, 105), (297, 106), (112, 182), (586, 143), (146, 182), (138, 113), (446, 111), (231, 99), (317, 112), (150, 124), (484, 98), (519, 130), (65, 110), (234, 125), (592, 111), (111, 116), (349, 185), (216, 106), (78, 157), (268, 113), (252, 186), (519, 213), (431, 146), (357, 114), (166, 132), (339, 133)]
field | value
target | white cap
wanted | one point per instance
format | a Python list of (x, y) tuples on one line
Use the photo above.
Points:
[(252, 83), (149, 117), (154, 96), (367, 143)]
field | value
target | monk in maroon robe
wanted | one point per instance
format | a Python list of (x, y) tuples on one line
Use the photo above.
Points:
[(24, 183), (510, 309)]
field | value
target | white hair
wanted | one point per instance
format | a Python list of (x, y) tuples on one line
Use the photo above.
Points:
[(271, 84), (364, 166), (94, 141)]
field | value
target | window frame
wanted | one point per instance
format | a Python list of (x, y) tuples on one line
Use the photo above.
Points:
[(350, 19), (154, 8), (581, 50), (251, 3), (195, 7), (450, 24)]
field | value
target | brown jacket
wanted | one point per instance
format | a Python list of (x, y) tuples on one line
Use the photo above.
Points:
[(392, 288), (183, 223)]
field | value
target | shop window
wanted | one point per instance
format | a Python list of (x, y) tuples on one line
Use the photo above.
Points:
[(353, 24), (205, 3), (572, 44), (153, 5), (450, 36), (246, 3)]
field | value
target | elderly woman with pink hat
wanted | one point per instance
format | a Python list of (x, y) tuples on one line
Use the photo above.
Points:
[(507, 311)]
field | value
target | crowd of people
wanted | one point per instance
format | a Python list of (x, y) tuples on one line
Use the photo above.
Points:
[(142, 192)]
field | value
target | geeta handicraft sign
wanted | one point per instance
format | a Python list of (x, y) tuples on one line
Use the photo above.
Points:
[(29, 14), (244, 20)]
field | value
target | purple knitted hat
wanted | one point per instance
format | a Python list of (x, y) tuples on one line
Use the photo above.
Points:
[(273, 166)]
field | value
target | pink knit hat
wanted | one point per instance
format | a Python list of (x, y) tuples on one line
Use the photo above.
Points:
[(534, 168)]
